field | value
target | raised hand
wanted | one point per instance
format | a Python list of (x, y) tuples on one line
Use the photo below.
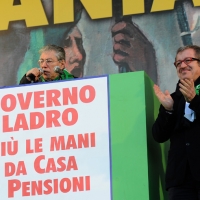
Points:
[(187, 89), (35, 71), (164, 98), (132, 51)]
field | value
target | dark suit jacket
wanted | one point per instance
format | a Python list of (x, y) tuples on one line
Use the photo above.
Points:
[(184, 138)]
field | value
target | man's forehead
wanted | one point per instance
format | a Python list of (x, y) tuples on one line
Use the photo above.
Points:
[(185, 53), (48, 55)]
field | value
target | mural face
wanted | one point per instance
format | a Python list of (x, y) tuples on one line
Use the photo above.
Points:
[(74, 52)]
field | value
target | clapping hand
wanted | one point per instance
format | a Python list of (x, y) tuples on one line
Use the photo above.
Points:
[(187, 89), (164, 98)]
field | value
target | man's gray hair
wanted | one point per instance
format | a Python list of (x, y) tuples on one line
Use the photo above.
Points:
[(194, 47), (60, 52)]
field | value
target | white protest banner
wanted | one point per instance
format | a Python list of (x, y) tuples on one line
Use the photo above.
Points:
[(55, 141)]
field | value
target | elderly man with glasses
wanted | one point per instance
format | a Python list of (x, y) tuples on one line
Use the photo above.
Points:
[(52, 66), (179, 121)]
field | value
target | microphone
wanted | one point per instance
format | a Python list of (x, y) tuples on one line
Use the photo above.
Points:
[(41, 71), (58, 70)]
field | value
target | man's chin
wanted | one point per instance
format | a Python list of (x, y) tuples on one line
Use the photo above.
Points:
[(46, 76)]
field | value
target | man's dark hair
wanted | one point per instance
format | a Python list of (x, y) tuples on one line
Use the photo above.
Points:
[(194, 47), (60, 52)]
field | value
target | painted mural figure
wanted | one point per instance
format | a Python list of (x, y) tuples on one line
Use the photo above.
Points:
[(75, 53), (52, 66), (132, 51), (14, 44), (179, 121)]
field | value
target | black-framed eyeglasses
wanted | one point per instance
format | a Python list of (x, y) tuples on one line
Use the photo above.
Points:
[(47, 61), (187, 61)]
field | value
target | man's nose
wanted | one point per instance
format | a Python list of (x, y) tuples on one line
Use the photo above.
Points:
[(182, 65), (43, 64)]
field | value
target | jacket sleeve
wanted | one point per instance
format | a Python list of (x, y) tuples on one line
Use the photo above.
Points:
[(24, 80), (163, 126)]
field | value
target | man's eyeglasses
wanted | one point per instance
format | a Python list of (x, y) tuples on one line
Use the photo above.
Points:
[(186, 61), (47, 61)]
